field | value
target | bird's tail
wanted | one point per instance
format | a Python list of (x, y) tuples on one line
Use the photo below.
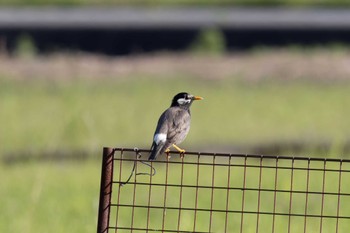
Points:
[(156, 150)]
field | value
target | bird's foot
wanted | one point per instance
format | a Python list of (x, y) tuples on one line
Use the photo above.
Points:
[(182, 155), (167, 153), (182, 151)]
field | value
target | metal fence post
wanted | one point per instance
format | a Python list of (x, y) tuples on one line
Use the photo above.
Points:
[(105, 190)]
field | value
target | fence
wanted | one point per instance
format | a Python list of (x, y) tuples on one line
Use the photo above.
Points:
[(212, 192)]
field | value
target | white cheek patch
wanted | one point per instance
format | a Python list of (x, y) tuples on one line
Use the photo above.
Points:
[(160, 137), (182, 101)]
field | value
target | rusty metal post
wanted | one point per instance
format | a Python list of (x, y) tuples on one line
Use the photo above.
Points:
[(105, 190)]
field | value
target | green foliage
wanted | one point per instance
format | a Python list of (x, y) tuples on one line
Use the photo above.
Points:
[(209, 41), (25, 46)]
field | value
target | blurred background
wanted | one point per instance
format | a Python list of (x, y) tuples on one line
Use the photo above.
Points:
[(77, 75)]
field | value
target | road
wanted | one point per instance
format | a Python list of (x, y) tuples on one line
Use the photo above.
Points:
[(174, 18)]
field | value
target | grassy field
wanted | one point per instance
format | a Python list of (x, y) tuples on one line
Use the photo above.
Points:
[(42, 114), (49, 197), (48, 116)]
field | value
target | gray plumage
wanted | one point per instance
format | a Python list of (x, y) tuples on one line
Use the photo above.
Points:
[(173, 125)]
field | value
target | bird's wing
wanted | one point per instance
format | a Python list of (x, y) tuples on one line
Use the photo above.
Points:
[(178, 125), (160, 144), (162, 126), (155, 150)]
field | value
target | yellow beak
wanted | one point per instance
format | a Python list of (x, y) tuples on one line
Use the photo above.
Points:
[(198, 98)]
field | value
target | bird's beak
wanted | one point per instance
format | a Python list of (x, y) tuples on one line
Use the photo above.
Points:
[(197, 98)]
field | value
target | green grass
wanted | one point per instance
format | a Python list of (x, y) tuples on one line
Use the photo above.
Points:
[(49, 197), (86, 115)]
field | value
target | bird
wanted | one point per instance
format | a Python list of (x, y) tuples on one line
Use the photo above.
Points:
[(173, 125)]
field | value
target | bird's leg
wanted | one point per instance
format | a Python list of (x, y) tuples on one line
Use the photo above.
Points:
[(167, 153), (182, 151)]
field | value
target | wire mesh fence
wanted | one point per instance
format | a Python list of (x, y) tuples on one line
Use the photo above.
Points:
[(212, 192)]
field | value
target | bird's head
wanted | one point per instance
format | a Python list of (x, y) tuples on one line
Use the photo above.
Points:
[(184, 99)]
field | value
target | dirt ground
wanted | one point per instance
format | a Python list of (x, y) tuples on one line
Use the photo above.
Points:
[(284, 64)]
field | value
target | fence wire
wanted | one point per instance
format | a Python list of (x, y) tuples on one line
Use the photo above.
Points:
[(212, 192)]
